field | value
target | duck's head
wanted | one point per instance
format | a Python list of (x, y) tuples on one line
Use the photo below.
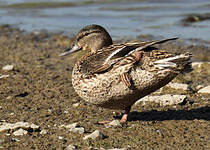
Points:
[(92, 38)]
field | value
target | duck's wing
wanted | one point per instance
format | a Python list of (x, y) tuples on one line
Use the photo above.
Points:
[(105, 58), (133, 47)]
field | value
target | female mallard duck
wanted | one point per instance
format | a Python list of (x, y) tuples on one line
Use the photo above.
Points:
[(115, 76)]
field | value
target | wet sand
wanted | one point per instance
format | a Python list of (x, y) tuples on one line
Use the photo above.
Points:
[(38, 90)]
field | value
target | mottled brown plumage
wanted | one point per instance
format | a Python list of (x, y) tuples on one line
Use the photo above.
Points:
[(116, 76)]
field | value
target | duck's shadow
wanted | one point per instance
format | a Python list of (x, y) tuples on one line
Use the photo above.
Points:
[(202, 113)]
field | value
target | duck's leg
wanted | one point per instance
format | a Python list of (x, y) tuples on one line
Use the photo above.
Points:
[(122, 120), (125, 116)]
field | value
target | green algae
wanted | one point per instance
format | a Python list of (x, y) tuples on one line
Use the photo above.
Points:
[(39, 5), (31, 5)]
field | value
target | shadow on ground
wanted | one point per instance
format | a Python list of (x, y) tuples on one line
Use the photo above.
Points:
[(154, 115)]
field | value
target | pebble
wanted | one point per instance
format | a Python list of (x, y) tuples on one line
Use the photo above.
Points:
[(4, 76), (76, 105), (43, 132), (17, 125), (70, 147), (205, 90), (20, 132), (60, 137), (199, 64), (66, 112), (179, 86), (75, 128), (199, 87), (95, 135), (16, 140), (118, 149), (8, 68), (115, 123), (33, 126), (81, 130), (164, 100), (11, 114), (9, 97)]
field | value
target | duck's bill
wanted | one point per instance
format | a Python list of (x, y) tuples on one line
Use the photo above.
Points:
[(70, 50)]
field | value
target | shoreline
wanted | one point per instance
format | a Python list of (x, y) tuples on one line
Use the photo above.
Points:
[(37, 99)]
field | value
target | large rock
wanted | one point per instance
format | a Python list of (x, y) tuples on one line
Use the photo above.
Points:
[(164, 100), (17, 125)]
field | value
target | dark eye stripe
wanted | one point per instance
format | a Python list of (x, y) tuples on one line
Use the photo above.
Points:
[(86, 34)]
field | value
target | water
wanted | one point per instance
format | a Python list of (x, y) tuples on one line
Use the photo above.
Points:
[(123, 19)]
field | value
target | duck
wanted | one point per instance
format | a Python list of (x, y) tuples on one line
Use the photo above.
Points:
[(115, 76)]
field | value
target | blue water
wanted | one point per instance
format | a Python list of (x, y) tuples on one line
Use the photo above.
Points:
[(123, 19)]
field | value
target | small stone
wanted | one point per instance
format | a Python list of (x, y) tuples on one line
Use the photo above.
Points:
[(95, 135), (20, 132), (70, 126), (115, 123), (75, 105), (178, 86), (9, 97), (4, 76), (11, 114), (60, 137), (74, 128), (66, 112), (16, 140), (118, 149), (8, 68), (205, 90), (70, 147), (43, 132), (50, 110), (199, 87), (33, 126), (199, 64), (81, 130), (164, 100)]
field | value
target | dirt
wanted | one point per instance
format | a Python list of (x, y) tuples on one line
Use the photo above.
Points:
[(39, 90)]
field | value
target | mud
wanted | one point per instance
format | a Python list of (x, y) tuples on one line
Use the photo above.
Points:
[(39, 90)]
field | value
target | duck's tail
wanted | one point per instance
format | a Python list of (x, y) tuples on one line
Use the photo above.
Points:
[(180, 63)]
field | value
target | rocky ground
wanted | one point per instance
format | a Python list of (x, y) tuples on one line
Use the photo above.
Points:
[(40, 110)]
